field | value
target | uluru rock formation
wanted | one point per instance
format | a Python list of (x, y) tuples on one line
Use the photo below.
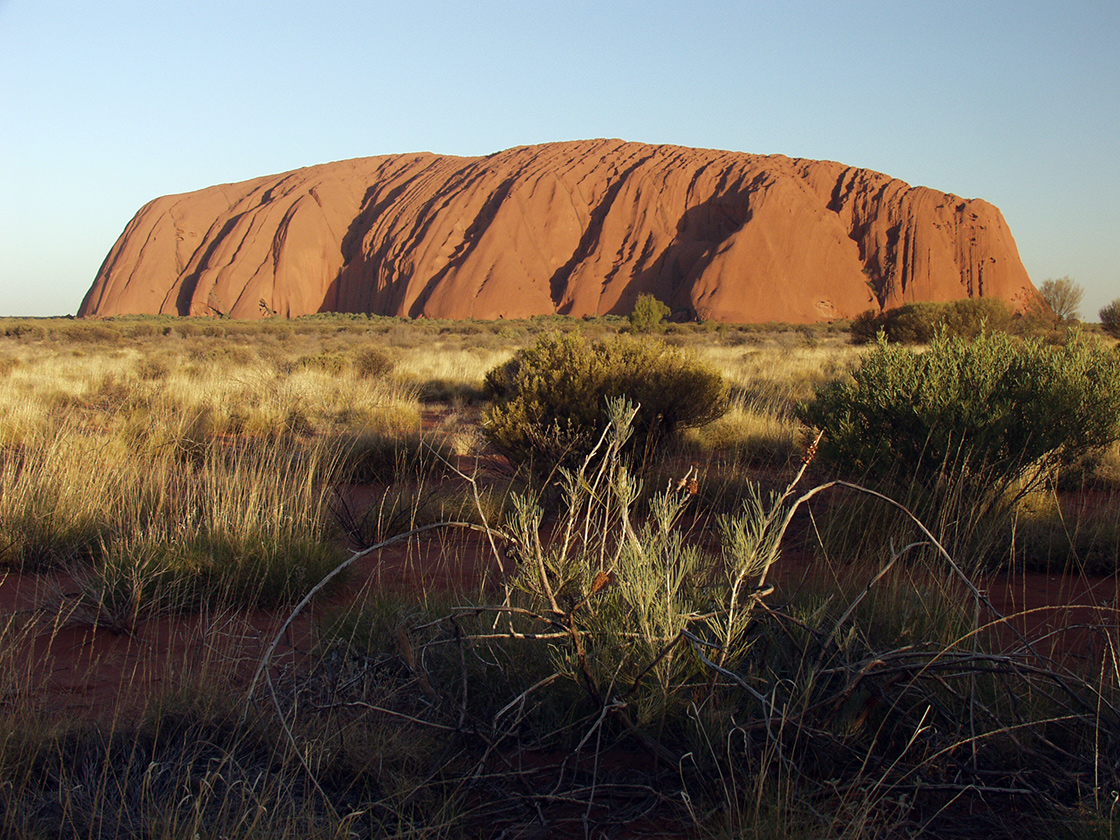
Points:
[(578, 228)]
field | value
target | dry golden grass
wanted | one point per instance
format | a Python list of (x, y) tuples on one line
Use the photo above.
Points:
[(239, 395), (780, 371), (175, 465)]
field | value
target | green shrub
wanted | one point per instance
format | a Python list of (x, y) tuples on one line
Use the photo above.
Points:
[(648, 314), (87, 332), (918, 323), (971, 316), (865, 326), (141, 330), (550, 398), (22, 330), (961, 434), (1110, 318), (993, 408)]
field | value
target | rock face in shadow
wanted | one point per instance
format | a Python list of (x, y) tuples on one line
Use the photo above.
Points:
[(577, 228)]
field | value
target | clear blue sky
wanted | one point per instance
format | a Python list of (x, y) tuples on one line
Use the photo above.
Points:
[(105, 105)]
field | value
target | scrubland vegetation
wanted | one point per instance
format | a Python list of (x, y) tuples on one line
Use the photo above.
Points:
[(724, 581)]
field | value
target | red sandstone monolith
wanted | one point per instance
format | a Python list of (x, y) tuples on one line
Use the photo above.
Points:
[(578, 228)]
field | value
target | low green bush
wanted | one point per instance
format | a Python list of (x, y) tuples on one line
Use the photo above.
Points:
[(994, 407), (550, 398), (918, 323), (962, 433), (19, 329), (648, 315)]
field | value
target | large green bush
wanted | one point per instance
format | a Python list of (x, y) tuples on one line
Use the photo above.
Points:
[(961, 434), (550, 399), (994, 409)]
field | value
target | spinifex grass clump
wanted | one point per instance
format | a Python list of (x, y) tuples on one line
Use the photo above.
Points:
[(168, 522), (62, 492), (246, 525), (550, 398)]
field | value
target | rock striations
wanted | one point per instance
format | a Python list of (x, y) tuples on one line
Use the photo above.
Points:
[(577, 228)]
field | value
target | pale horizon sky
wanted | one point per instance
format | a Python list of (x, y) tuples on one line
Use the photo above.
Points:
[(108, 105)]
